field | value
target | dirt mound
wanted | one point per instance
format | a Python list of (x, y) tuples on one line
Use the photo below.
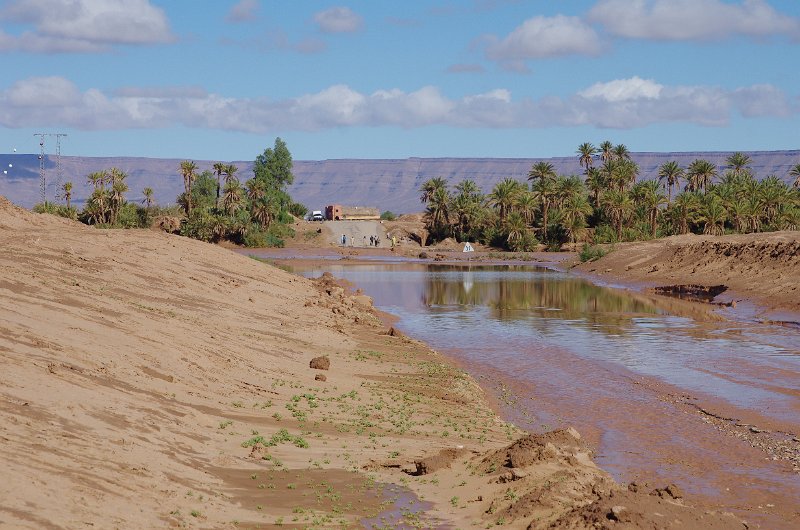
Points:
[(634, 511), (707, 261), (534, 448), (442, 460)]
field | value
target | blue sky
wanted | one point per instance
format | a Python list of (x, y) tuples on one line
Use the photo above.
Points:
[(376, 79)]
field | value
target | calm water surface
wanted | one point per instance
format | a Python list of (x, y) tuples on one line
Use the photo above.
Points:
[(500, 315)]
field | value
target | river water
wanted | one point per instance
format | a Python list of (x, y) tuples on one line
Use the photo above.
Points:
[(629, 371)]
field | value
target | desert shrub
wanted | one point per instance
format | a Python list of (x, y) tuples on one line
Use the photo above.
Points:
[(298, 210), (605, 234), (133, 216), (527, 243), (260, 238), (203, 225), (56, 209), (591, 252), (388, 216), (284, 217)]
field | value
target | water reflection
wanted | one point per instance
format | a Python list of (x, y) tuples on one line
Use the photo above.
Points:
[(511, 289), (512, 317)]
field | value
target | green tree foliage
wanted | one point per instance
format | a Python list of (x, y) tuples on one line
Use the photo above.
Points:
[(257, 213)]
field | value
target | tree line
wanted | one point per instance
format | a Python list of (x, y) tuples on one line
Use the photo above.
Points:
[(214, 205), (607, 204)]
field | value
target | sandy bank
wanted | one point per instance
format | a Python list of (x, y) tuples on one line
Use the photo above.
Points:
[(763, 268), (153, 381)]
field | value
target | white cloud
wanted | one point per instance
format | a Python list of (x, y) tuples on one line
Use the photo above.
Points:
[(541, 37), (622, 103), (623, 90), (338, 20), (691, 19), (83, 25), (243, 11)]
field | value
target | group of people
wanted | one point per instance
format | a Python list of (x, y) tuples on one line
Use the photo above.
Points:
[(374, 241)]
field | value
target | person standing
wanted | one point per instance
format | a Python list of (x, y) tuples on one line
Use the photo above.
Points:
[(344, 240)]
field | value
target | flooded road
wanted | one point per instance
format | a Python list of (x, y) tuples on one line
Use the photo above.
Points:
[(665, 392)]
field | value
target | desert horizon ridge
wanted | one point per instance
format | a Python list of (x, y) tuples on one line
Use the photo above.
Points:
[(151, 380), (388, 184)]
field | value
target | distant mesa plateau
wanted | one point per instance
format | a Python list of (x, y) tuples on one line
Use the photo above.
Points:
[(388, 184)]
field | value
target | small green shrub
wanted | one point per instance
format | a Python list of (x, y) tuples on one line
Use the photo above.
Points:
[(591, 252)]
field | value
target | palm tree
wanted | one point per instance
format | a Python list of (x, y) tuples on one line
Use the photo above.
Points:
[(606, 151), (469, 189), (232, 197), (713, 215), (700, 174), (526, 204), (437, 214), (596, 183), (429, 188), (542, 171), (516, 228), (649, 195), (262, 213), (586, 152), (98, 201), (621, 152), (620, 174), (683, 211), (771, 194), (545, 190), (188, 169), (574, 212), (118, 189), (148, 197), (504, 195), (738, 163), (568, 187), (255, 189), (66, 192), (672, 173), (619, 207), (738, 214), (230, 172), (795, 173), (465, 210), (219, 169)]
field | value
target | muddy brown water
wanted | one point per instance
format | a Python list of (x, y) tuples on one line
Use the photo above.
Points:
[(632, 376)]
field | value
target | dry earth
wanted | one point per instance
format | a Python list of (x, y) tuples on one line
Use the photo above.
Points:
[(764, 268), (151, 381)]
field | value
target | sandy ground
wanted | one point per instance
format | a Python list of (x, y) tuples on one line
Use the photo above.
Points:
[(152, 381), (761, 268)]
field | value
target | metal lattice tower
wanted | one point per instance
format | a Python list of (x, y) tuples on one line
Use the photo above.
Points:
[(42, 181), (59, 171), (42, 177)]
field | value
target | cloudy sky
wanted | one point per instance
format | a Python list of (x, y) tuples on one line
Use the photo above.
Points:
[(376, 79)]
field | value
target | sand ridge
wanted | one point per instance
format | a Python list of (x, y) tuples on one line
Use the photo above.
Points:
[(154, 381)]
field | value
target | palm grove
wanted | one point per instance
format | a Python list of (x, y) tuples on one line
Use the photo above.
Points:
[(609, 205), (214, 205)]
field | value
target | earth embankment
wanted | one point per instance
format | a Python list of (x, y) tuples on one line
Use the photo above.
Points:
[(763, 268)]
